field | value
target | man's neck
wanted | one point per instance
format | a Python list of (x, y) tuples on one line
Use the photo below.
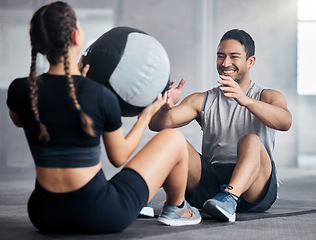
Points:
[(244, 84)]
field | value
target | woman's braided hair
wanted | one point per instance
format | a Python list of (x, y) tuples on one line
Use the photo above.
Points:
[(51, 34)]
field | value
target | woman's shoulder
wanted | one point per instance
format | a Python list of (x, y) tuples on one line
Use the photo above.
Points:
[(18, 82), (18, 87), (94, 88)]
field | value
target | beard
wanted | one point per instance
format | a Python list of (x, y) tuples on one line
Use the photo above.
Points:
[(239, 77), (237, 80)]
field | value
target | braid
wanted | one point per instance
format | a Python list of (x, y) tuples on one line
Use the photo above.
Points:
[(33, 85), (86, 121), (51, 35)]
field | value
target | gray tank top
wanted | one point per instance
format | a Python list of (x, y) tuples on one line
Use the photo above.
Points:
[(224, 122)]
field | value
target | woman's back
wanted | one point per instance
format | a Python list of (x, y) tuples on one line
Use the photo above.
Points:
[(71, 157)]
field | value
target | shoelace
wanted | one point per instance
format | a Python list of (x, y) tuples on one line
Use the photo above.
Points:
[(229, 193)]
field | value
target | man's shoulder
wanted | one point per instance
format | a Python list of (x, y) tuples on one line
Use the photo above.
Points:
[(260, 86), (195, 97), (212, 93), (270, 94), (267, 94), (194, 101), (213, 90)]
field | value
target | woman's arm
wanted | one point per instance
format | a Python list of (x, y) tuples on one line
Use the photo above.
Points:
[(15, 119), (119, 147)]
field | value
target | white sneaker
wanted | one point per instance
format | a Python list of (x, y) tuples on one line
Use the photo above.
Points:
[(147, 211)]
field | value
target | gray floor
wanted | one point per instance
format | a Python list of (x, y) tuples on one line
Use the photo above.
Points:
[(293, 216)]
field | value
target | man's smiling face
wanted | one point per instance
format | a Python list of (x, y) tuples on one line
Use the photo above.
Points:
[(232, 60)]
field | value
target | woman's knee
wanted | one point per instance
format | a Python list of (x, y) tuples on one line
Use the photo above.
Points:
[(174, 136), (176, 142)]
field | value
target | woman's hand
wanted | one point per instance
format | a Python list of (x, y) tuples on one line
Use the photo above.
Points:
[(120, 148), (150, 110), (85, 69)]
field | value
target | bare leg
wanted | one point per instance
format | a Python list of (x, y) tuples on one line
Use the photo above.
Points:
[(252, 170), (164, 162), (194, 175)]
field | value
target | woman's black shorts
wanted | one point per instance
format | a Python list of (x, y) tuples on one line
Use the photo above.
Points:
[(100, 206)]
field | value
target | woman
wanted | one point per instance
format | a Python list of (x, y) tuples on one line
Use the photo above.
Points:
[(64, 115)]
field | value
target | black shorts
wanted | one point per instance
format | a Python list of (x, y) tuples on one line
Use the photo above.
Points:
[(213, 176), (100, 206)]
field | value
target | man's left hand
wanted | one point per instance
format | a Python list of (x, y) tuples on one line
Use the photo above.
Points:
[(232, 89)]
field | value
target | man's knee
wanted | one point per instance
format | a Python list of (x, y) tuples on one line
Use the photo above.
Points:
[(251, 144), (249, 140)]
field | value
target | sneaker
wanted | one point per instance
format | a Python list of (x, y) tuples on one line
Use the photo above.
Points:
[(222, 206), (174, 216), (147, 211)]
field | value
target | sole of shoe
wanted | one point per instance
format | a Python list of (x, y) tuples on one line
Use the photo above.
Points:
[(216, 211), (147, 212), (179, 222)]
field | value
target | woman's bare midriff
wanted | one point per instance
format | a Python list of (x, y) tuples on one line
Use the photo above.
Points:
[(61, 180)]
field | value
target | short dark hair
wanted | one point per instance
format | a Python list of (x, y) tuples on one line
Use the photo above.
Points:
[(244, 38)]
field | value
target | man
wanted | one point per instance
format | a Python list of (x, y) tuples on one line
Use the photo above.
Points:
[(238, 118)]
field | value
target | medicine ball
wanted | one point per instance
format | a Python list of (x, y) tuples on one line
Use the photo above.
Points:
[(133, 64)]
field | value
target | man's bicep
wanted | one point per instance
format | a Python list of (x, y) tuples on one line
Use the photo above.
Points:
[(188, 110), (181, 115), (274, 97)]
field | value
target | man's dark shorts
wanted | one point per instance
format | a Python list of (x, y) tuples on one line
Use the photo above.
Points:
[(213, 176)]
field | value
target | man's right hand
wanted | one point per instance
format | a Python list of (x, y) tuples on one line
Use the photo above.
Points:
[(174, 94)]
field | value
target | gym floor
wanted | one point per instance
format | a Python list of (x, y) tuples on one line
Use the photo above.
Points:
[(293, 216)]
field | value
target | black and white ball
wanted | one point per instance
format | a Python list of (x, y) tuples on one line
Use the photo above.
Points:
[(131, 63)]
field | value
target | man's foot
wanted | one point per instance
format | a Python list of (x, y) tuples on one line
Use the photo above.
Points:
[(175, 216), (222, 206), (147, 211)]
